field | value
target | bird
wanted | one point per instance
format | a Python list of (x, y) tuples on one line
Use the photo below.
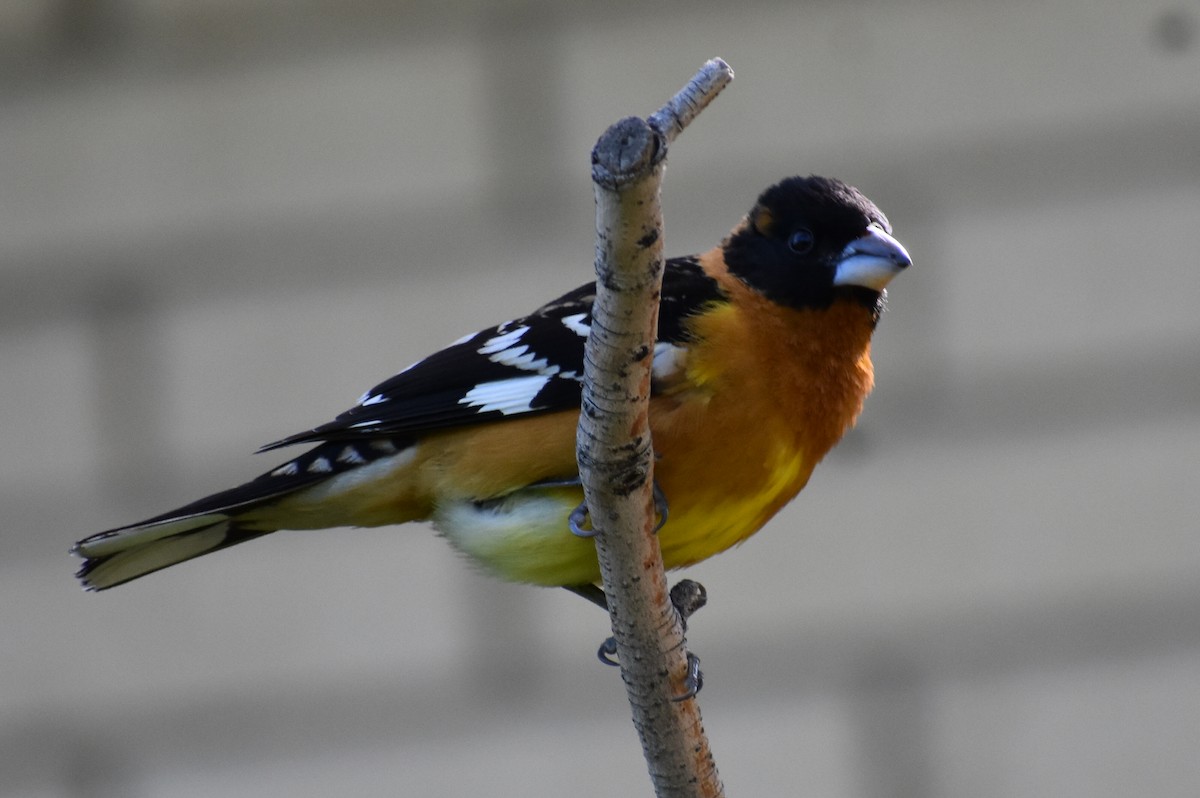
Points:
[(761, 363)]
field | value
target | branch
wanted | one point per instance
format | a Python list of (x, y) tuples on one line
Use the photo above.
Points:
[(616, 456)]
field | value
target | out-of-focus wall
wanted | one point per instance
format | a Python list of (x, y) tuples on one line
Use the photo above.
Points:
[(221, 221)]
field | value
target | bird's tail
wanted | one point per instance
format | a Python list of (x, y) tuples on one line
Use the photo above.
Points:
[(210, 524), (239, 514), (120, 555)]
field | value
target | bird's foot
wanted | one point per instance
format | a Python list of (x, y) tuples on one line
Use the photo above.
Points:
[(580, 524), (687, 596)]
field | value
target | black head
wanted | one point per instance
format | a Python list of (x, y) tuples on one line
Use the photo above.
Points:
[(809, 240)]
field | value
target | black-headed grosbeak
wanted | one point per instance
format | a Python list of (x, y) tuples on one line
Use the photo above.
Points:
[(762, 362)]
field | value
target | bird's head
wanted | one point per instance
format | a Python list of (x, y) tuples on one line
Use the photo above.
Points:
[(811, 240)]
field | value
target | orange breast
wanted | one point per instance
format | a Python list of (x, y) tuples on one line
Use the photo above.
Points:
[(771, 391)]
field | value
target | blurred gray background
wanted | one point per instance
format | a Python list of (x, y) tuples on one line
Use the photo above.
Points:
[(222, 220)]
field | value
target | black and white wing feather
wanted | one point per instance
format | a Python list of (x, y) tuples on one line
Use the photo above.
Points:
[(533, 364)]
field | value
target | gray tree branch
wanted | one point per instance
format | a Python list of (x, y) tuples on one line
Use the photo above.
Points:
[(616, 455)]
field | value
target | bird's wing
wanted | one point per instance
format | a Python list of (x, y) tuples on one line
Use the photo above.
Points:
[(533, 364)]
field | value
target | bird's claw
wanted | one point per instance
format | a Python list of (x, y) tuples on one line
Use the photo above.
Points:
[(607, 652), (662, 510), (579, 516), (687, 596), (576, 520), (693, 682)]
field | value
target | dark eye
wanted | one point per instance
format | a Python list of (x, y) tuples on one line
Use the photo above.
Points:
[(801, 242)]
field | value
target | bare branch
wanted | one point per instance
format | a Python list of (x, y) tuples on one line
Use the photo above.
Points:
[(693, 98), (616, 457)]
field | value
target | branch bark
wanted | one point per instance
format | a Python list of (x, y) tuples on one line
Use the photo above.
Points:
[(615, 452)]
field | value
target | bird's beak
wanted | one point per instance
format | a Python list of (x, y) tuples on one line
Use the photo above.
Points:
[(871, 261)]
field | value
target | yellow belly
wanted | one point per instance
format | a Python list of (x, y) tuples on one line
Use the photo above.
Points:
[(524, 537)]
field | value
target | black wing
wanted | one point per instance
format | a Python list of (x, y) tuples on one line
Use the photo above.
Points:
[(533, 364)]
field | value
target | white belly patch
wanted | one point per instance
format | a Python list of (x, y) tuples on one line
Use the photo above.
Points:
[(522, 537)]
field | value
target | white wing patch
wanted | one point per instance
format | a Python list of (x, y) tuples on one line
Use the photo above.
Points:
[(669, 361), (575, 324), (506, 350), (350, 456), (519, 357), (509, 396), (383, 469), (366, 400), (498, 343)]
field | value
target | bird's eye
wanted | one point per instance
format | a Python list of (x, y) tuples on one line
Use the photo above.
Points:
[(802, 241)]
